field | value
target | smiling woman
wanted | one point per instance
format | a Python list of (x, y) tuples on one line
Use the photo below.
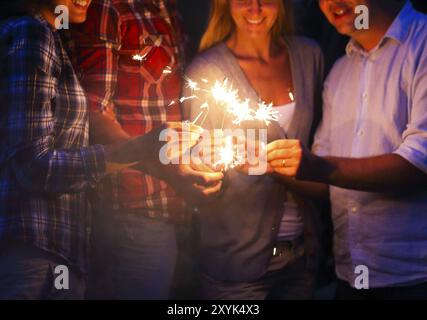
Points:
[(253, 242), (221, 23)]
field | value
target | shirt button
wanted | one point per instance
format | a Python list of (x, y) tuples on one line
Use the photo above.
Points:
[(360, 133), (365, 95), (353, 210)]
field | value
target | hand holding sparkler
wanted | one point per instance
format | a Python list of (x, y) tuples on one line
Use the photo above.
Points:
[(290, 158), (194, 182)]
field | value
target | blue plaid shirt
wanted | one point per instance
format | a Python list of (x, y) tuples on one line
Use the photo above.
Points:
[(46, 165)]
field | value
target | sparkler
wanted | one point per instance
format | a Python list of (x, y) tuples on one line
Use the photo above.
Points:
[(240, 110), (198, 116), (229, 157), (266, 113), (226, 96), (194, 86), (182, 99)]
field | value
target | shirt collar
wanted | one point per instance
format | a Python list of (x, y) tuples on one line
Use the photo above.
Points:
[(398, 31)]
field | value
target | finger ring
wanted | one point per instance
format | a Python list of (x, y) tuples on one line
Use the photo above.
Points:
[(283, 163)]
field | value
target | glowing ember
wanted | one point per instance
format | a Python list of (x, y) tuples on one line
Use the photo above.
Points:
[(266, 113), (197, 118), (167, 70), (241, 111), (138, 57), (225, 95), (291, 96), (187, 98), (227, 153), (229, 157), (192, 84)]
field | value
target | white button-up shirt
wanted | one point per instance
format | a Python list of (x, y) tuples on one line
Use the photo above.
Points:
[(375, 103)]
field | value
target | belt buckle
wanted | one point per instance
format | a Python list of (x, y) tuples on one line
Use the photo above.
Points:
[(278, 248)]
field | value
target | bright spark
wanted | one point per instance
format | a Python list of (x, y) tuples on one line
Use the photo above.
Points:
[(187, 98), (192, 85), (291, 96), (138, 57), (197, 118), (167, 70), (228, 155), (266, 113)]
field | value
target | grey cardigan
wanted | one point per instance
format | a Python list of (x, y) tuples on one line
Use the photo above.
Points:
[(238, 230)]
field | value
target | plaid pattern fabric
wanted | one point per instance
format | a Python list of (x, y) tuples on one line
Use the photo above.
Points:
[(46, 166), (128, 54)]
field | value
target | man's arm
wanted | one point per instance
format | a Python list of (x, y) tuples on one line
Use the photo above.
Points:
[(400, 171), (385, 173), (314, 190)]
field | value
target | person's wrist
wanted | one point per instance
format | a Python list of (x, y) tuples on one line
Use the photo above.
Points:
[(322, 169), (312, 168)]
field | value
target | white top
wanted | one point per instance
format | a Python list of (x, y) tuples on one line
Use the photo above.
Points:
[(291, 225), (285, 112)]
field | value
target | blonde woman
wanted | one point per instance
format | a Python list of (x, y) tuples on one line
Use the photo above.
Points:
[(257, 240)]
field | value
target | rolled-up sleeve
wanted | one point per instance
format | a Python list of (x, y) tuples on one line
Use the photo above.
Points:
[(414, 145)]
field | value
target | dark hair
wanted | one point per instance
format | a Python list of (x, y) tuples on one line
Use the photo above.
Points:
[(16, 8)]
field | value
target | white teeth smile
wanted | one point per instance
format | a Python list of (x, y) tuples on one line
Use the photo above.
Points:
[(81, 3), (254, 21), (341, 12)]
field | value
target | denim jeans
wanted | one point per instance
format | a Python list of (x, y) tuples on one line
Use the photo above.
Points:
[(134, 257), (27, 272)]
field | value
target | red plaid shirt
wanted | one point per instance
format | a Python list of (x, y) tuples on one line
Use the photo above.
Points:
[(128, 55)]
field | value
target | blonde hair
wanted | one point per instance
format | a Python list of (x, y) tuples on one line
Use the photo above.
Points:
[(221, 24)]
